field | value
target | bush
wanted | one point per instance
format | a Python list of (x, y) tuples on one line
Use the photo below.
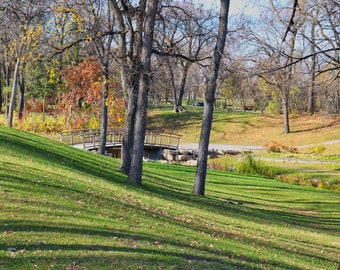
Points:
[(317, 149), (277, 147), (220, 164), (251, 166)]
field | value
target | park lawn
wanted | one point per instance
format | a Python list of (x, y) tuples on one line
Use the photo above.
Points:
[(245, 128), (63, 208)]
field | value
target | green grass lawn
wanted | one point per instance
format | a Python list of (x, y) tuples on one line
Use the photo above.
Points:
[(249, 128), (63, 208)]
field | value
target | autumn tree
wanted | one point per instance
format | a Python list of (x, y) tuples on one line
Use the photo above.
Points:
[(22, 20), (95, 22), (82, 98)]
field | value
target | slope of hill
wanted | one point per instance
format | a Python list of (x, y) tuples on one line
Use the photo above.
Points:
[(63, 208), (245, 128)]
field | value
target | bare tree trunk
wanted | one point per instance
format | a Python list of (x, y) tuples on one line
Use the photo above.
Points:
[(311, 90), (130, 69), (103, 120), (130, 119), (135, 173), (287, 86), (285, 105), (182, 83), (7, 71), (173, 86), (22, 96), (201, 170), (14, 92)]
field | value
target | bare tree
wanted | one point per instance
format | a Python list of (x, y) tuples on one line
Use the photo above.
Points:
[(184, 32), (276, 51), (135, 24), (201, 170)]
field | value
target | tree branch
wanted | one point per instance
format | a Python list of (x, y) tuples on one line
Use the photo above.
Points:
[(291, 21)]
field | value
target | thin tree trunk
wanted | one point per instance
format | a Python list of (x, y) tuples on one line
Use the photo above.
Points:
[(7, 84), (13, 96), (285, 105), (103, 122), (173, 86), (201, 170), (182, 84), (22, 97), (311, 90), (287, 86)]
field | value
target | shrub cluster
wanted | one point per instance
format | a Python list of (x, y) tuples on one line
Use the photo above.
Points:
[(251, 166), (307, 181), (277, 147)]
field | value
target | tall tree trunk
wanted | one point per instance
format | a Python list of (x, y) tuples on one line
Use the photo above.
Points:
[(130, 68), (287, 86), (173, 86), (22, 96), (130, 119), (7, 84), (311, 90), (201, 170), (135, 173), (285, 106), (14, 92), (103, 120), (182, 83)]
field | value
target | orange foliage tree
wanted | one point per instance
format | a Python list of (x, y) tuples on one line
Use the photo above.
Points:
[(82, 96)]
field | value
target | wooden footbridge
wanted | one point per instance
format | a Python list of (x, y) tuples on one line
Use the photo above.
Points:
[(88, 139)]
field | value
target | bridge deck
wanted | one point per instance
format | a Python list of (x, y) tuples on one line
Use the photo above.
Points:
[(89, 139)]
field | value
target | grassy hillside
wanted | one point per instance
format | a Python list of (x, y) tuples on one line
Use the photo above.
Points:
[(247, 128), (63, 208)]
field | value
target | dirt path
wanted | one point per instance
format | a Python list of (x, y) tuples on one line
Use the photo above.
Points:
[(254, 148)]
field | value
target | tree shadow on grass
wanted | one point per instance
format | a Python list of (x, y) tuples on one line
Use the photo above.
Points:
[(246, 211), (184, 251), (60, 155), (78, 160), (332, 124), (156, 185)]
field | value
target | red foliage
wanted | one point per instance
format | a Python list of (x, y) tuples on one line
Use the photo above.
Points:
[(83, 93), (82, 81)]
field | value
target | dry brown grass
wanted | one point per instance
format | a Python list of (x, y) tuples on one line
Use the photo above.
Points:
[(262, 130), (249, 128)]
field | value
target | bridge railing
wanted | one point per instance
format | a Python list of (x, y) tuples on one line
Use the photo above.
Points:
[(162, 140), (89, 138), (73, 137)]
